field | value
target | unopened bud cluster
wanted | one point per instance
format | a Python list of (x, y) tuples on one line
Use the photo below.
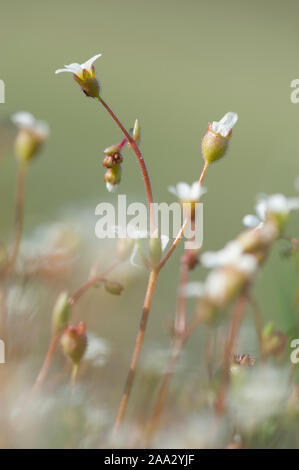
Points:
[(112, 161)]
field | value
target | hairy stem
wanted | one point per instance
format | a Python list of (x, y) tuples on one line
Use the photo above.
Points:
[(137, 349)]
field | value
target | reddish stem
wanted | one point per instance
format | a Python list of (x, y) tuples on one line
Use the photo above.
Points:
[(141, 161)]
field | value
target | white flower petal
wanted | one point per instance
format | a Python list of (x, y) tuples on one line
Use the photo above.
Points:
[(23, 119), (135, 258), (112, 188), (172, 190), (225, 125), (63, 70), (88, 64), (251, 221), (183, 190), (164, 241), (186, 192)]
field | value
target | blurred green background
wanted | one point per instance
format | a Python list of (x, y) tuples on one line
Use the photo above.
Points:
[(176, 65)]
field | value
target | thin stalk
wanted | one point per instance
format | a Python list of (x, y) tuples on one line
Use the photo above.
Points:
[(74, 376), (183, 227), (90, 283), (235, 327), (180, 319), (137, 349), (3, 315), (19, 217), (145, 175), (48, 359)]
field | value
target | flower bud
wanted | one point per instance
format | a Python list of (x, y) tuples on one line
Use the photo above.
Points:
[(26, 145), (124, 248), (155, 247), (136, 131), (273, 342), (74, 342), (214, 143), (89, 84), (190, 258), (112, 178), (113, 287), (32, 133), (259, 238), (61, 312)]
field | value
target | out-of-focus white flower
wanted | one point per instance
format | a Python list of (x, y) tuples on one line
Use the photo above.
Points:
[(230, 255), (98, 350), (25, 120), (199, 431), (275, 204), (80, 69), (84, 75), (188, 193), (194, 289), (251, 221), (216, 286), (225, 125), (32, 133), (261, 394)]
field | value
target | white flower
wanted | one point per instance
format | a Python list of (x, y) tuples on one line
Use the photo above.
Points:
[(230, 255), (261, 394), (273, 204), (78, 69), (186, 192), (194, 289), (98, 350), (216, 286), (27, 121), (225, 125)]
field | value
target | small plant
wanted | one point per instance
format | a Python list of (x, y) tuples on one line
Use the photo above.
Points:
[(233, 272)]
